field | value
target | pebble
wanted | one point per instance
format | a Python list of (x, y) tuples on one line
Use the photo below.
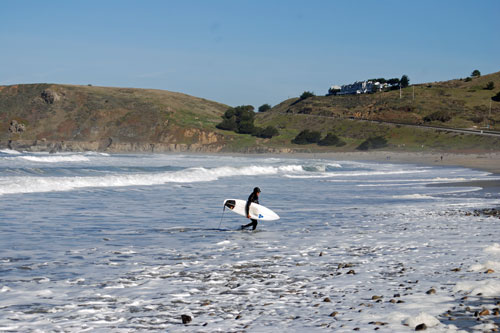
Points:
[(485, 312), (374, 298), (351, 272), (327, 299), (489, 271), (431, 291), (333, 314), (420, 327), (186, 319)]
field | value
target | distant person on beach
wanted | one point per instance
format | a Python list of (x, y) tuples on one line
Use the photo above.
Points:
[(254, 197)]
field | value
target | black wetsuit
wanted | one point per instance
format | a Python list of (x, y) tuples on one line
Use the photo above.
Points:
[(252, 198)]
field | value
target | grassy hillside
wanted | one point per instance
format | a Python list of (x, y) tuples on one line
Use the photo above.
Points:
[(466, 103), (86, 113), (49, 116)]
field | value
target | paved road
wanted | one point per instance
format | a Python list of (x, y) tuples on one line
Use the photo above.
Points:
[(436, 128)]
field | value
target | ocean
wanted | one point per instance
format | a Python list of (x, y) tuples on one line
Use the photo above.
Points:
[(125, 243)]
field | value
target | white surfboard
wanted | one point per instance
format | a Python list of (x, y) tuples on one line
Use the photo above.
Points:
[(257, 212)]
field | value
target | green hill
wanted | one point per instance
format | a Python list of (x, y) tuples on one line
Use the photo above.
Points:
[(466, 103), (66, 117), (51, 117), (450, 104)]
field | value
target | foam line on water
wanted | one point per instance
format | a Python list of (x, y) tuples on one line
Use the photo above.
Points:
[(51, 159), (12, 185)]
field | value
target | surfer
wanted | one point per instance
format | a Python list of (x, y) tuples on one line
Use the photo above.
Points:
[(254, 197)]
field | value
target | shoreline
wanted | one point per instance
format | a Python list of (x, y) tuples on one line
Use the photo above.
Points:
[(489, 162)]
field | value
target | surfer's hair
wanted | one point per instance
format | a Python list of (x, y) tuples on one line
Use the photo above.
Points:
[(256, 190)]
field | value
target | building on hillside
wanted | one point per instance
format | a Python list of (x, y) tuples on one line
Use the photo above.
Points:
[(356, 88)]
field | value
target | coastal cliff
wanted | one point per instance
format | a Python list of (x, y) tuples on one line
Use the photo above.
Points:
[(50, 117)]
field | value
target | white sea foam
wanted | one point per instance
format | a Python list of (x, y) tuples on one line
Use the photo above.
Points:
[(422, 318), (11, 185), (10, 152), (358, 174), (494, 265), (413, 196), (494, 249), (54, 158), (489, 287)]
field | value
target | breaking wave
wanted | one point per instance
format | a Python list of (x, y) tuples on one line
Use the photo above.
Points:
[(51, 159), (10, 152), (12, 185)]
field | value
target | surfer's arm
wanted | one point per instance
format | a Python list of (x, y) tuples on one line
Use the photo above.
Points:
[(247, 208)]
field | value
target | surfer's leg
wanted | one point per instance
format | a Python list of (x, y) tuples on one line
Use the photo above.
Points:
[(254, 224), (247, 225)]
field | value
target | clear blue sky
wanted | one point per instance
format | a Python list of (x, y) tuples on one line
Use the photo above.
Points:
[(245, 52)]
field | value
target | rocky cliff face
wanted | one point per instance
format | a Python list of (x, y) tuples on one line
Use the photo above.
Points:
[(42, 117)]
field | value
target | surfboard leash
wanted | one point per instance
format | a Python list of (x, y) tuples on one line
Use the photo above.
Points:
[(223, 210)]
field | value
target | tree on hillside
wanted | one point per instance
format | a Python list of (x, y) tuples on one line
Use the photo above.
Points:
[(490, 86), (496, 98), (394, 82), (405, 81), (380, 80), (306, 94), (266, 133), (373, 143), (476, 73), (264, 107), (236, 118), (306, 136), (331, 140), (240, 120)]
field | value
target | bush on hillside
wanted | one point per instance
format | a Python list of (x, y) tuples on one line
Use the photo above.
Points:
[(246, 127), (306, 94), (265, 133), (442, 116), (476, 73), (490, 85), (331, 140), (264, 107), (496, 98), (306, 137), (405, 81), (228, 124), (373, 143), (238, 119)]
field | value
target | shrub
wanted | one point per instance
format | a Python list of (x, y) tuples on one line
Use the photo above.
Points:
[(496, 98), (246, 127), (228, 124), (373, 143), (264, 107), (306, 94), (305, 137), (442, 116), (468, 79), (238, 119), (405, 81), (331, 140), (490, 86), (265, 133)]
